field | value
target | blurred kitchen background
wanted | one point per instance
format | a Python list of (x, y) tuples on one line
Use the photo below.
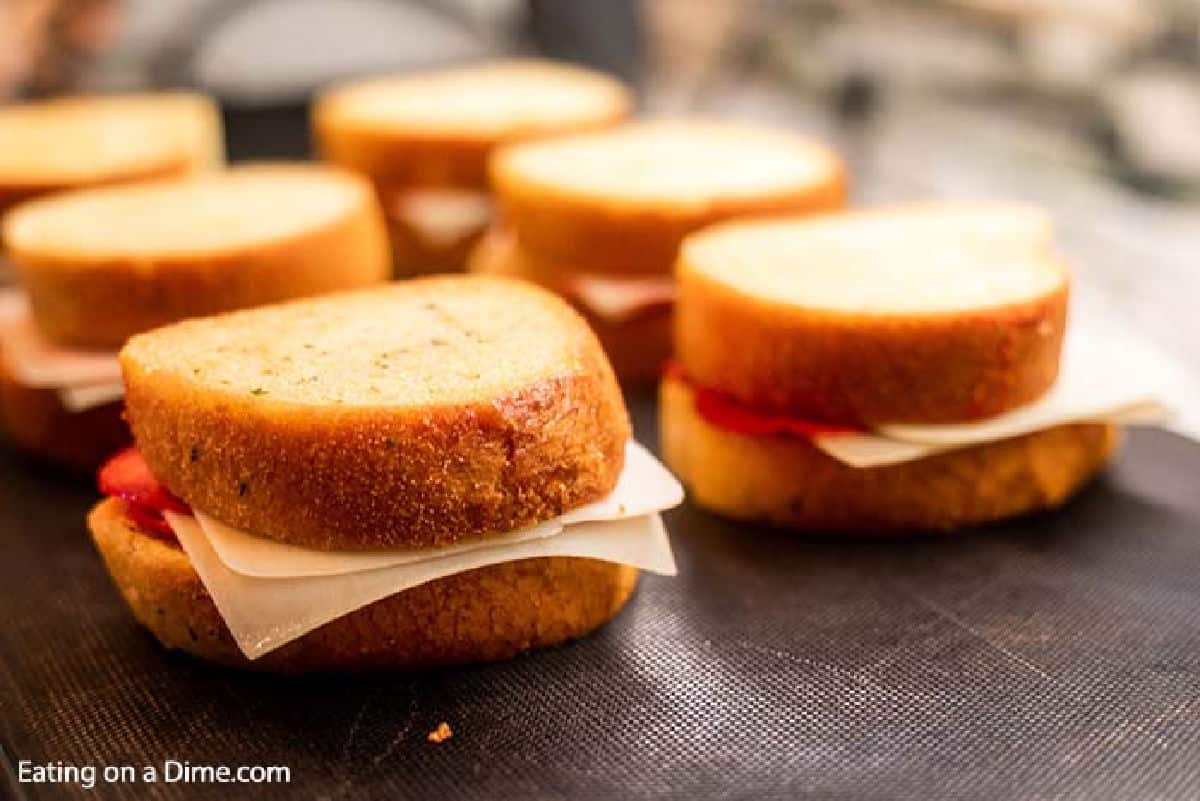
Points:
[(1090, 107)]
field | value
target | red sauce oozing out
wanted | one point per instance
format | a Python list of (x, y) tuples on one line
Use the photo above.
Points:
[(128, 477), (722, 411)]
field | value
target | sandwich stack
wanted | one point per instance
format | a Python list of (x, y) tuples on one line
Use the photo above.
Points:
[(432, 472), (599, 217), (424, 141), (100, 265), (882, 370)]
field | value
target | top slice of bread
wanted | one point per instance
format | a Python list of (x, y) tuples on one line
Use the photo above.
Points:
[(102, 264), (415, 414), (84, 141), (931, 312), (622, 200), (437, 128)]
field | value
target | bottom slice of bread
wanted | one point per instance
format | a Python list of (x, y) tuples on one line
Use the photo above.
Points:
[(35, 420), (483, 615), (636, 347), (790, 482)]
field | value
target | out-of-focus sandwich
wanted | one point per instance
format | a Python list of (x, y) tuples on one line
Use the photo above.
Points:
[(599, 217), (424, 140), (887, 370), (76, 142), (100, 265), (432, 472)]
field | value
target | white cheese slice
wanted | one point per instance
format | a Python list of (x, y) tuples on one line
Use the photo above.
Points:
[(443, 217), (265, 613), (1107, 375), (644, 487), (36, 362), (12, 302), (88, 396), (617, 299)]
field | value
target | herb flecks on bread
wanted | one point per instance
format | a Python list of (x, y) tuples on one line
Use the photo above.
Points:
[(929, 313), (415, 414)]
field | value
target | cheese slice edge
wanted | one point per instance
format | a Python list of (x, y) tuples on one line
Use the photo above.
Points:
[(645, 486), (1108, 376), (263, 614)]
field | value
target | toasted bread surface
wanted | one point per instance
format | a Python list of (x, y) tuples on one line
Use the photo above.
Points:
[(36, 421), (788, 481), (927, 313), (483, 615), (84, 141), (622, 200), (416, 414), (101, 265), (438, 128), (637, 347)]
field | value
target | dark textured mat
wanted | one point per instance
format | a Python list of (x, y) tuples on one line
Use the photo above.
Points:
[(1057, 657)]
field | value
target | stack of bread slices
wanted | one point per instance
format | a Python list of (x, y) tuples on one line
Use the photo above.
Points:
[(102, 264), (442, 470), (424, 140), (431, 472), (894, 369), (599, 217)]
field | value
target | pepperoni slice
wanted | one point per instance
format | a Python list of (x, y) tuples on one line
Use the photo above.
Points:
[(128, 477), (150, 521), (722, 411)]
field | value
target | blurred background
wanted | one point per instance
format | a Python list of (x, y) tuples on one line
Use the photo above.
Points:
[(1090, 107)]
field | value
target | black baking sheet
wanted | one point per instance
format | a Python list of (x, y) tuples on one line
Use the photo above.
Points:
[(1048, 658)]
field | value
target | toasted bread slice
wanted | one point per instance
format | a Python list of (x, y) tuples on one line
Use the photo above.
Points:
[(623, 200), (100, 265), (438, 128), (415, 414), (483, 615), (637, 347), (35, 420), (85, 141), (790, 482), (930, 313)]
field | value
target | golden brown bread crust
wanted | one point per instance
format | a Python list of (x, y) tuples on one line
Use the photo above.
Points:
[(483, 615), (617, 240), (36, 421), (637, 347), (864, 369), (202, 147), (789, 482), (429, 155), (402, 159), (603, 234), (98, 303), (362, 477), (10, 196)]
